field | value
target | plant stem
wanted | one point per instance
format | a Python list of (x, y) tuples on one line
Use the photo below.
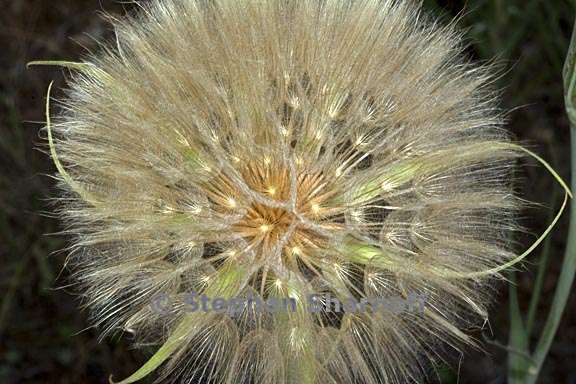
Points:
[(563, 288), (518, 339), (541, 274), (569, 264)]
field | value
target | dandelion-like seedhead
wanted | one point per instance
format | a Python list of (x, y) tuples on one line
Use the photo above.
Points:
[(281, 149)]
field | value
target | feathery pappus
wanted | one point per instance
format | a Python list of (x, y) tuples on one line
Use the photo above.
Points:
[(279, 150)]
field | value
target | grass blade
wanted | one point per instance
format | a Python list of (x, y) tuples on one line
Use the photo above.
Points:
[(566, 278)]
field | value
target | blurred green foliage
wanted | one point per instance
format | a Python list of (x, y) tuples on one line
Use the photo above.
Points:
[(41, 329)]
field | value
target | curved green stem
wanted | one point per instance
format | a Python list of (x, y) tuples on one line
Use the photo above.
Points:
[(566, 279)]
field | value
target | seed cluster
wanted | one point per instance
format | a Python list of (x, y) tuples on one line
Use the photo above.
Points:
[(279, 149)]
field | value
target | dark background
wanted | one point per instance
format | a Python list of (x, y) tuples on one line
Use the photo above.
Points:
[(43, 333)]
